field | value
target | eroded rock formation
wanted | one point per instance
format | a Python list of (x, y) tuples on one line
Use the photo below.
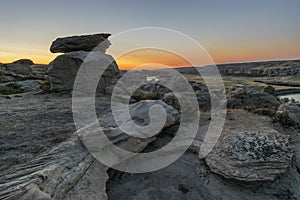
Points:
[(61, 72)]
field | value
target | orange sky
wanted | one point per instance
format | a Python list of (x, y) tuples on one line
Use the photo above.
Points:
[(220, 51), (220, 54)]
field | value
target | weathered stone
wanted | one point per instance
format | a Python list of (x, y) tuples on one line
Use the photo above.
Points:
[(270, 90), (92, 185), (62, 168), (293, 112), (81, 43), (140, 110), (4, 79), (24, 69), (24, 62), (197, 181), (140, 115), (39, 70), (54, 172), (240, 97), (62, 71), (251, 156), (2, 67)]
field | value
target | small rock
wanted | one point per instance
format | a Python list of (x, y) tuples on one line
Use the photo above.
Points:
[(270, 90)]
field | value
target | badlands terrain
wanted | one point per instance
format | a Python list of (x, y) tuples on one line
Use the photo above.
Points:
[(43, 156)]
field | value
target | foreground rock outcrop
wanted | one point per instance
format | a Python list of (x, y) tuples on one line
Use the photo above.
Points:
[(191, 178), (46, 160)]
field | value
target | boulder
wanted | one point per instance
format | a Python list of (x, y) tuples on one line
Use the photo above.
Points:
[(242, 96), (203, 99), (81, 43), (140, 110), (17, 68), (2, 67), (150, 91), (140, 115), (251, 156), (270, 90), (24, 62), (292, 110), (62, 71)]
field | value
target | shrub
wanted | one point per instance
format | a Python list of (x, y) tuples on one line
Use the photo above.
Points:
[(36, 150), (284, 119), (285, 100), (11, 88), (45, 86), (248, 108), (264, 111), (293, 100), (58, 139)]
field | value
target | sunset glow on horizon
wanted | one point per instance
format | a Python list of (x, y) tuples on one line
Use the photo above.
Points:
[(230, 31)]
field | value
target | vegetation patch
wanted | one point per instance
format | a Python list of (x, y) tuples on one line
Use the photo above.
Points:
[(58, 139), (11, 88), (284, 119), (182, 188), (36, 150), (264, 111), (45, 86)]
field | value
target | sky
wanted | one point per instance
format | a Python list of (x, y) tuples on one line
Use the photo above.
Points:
[(229, 30)]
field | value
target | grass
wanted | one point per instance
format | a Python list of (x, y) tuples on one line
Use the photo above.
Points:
[(264, 111), (11, 88), (287, 82), (45, 86), (57, 139), (36, 150), (284, 119)]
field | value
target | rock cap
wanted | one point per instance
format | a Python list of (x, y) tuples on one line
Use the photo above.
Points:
[(80, 43)]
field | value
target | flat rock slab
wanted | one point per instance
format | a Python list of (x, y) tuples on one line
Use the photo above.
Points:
[(78, 43), (251, 156), (251, 135)]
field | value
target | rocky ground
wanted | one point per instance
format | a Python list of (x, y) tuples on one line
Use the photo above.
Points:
[(191, 177), (43, 156)]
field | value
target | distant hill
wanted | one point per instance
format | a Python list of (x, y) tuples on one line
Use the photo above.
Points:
[(264, 68)]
